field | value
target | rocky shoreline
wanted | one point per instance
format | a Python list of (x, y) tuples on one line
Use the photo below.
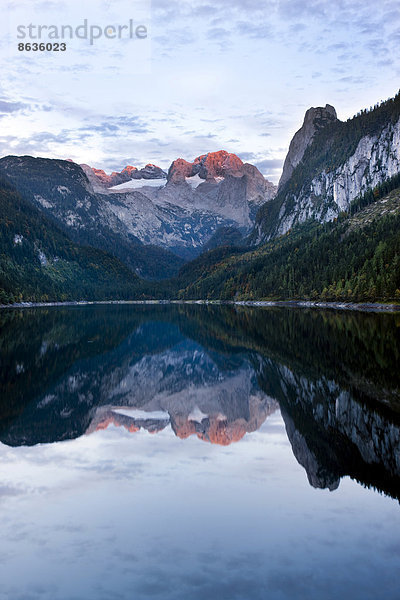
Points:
[(355, 306)]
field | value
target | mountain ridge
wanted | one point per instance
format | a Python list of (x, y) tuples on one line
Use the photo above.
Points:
[(306, 241), (170, 223), (128, 173), (39, 261), (342, 161), (62, 192)]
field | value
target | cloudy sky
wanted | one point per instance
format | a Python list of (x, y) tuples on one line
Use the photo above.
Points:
[(228, 74)]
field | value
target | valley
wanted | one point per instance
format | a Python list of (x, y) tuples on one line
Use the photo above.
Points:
[(214, 228)]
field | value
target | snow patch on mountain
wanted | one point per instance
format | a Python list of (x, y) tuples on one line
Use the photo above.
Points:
[(194, 181), (137, 184)]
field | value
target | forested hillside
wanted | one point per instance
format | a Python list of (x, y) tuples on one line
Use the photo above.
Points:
[(356, 258), (38, 262), (59, 189)]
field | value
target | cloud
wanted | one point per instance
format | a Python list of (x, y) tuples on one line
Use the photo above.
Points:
[(106, 129), (352, 79), (111, 126), (132, 124), (269, 163), (247, 156), (255, 30), (238, 64), (208, 136), (47, 136), (218, 33), (298, 27), (41, 142), (10, 491), (11, 107)]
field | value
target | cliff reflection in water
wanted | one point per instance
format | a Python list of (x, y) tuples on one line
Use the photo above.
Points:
[(214, 372)]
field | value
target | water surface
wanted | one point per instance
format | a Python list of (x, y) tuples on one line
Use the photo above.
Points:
[(181, 452)]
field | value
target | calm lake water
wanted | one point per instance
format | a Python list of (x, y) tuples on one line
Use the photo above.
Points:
[(193, 452)]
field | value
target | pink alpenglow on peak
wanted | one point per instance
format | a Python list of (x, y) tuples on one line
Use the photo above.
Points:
[(207, 166), (150, 171)]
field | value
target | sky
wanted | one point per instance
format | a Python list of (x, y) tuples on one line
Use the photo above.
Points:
[(236, 75)]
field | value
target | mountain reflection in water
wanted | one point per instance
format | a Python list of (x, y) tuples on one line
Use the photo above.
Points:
[(213, 372)]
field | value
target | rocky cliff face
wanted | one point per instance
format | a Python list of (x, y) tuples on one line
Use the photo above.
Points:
[(376, 158), (178, 215), (314, 120), (211, 372), (220, 182), (207, 166), (179, 171), (215, 167), (185, 387), (331, 163), (100, 179)]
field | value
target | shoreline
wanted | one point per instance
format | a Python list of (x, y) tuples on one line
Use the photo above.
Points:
[(354, 306)]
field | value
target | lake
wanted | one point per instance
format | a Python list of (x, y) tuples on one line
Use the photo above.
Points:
[(188, 452)]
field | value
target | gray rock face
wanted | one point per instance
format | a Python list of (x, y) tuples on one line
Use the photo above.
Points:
[(136, 387), (178, 216), (150, 172), (100, 180), (179, 170), (317, 475), (224, 185), (326, 170), (376, 159), (314, 120), (208, 166), (97, 184)]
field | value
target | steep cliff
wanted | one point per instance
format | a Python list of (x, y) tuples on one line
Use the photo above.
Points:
[(342, 162), (315, 119), (218, 182)]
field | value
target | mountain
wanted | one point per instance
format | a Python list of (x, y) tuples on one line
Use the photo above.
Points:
[(331, 164), (173, 388), (236, 189), (151, 223), (146, 375), (63, 193), (208, 167), (183, 211), (39, 262), (331, 232), (224, 236), (315, 119), (100, 177)]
